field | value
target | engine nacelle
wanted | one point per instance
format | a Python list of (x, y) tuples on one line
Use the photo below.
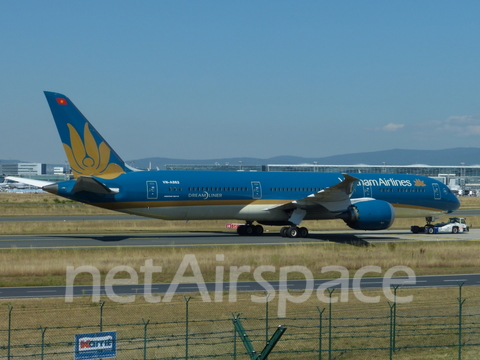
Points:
[(369, 215)]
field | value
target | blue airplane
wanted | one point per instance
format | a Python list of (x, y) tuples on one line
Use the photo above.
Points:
[(363, 201)]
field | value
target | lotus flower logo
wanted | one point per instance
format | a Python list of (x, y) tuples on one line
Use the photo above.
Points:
[(419, 182), (89, 159)]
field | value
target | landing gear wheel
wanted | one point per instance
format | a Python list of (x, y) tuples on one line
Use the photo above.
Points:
[(292, 232), (241, 230), (258, 230), (430, 230), (283, 231), (249, 230), (303, 232)]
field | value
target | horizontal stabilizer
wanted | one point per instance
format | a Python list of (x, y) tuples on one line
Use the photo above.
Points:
[(36, 183), (89, 184)]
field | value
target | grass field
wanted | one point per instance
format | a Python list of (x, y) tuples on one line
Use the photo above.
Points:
[(48, 267)]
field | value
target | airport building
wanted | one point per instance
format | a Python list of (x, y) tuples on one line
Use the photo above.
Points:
[(37, 171), (23, 169)]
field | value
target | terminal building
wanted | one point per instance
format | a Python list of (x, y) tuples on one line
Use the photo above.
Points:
[(37, 171), (24, 169), (465, 180)]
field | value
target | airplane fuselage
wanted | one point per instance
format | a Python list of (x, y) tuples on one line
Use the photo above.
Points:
[(198, 195)]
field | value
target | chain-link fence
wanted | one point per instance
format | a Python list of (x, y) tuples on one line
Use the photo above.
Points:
[(445, 322)]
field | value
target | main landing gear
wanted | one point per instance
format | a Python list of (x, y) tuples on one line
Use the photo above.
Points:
[(293, 232), (257, 230), (250, 230)]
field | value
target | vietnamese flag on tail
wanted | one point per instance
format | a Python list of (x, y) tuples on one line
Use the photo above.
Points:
[(61, 101)]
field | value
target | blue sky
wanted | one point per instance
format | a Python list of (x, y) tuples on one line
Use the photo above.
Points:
[(216, 79)]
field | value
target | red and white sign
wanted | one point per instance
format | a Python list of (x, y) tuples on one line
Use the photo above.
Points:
[(232, 226)]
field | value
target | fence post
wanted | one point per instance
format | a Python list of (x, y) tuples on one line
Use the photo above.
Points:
[(262, 355), (235, 316), (234, 342), (320, 334), (101, 314), (187, 299), (460, 305), (10, 308), (392, 331), (43, 341), (145, 324), (330, 292)]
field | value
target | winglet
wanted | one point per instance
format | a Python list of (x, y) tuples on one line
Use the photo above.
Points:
[(87, 151), (348, 183)]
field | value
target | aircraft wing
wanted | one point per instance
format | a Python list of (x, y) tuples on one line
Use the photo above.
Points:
[(334, 198), (36, 183)]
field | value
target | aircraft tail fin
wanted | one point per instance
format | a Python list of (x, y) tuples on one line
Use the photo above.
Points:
[(87, 151)]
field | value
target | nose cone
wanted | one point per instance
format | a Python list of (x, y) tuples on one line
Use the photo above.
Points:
[(454, 203)]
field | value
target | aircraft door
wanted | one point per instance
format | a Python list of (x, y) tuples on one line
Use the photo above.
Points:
[(256, 190), (152, 190), (367, 190), (437, 195)]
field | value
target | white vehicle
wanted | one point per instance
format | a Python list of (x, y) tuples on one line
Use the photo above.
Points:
[(453, 226)]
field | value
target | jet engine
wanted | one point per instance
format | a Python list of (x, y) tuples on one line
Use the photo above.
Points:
[(369, 215)]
